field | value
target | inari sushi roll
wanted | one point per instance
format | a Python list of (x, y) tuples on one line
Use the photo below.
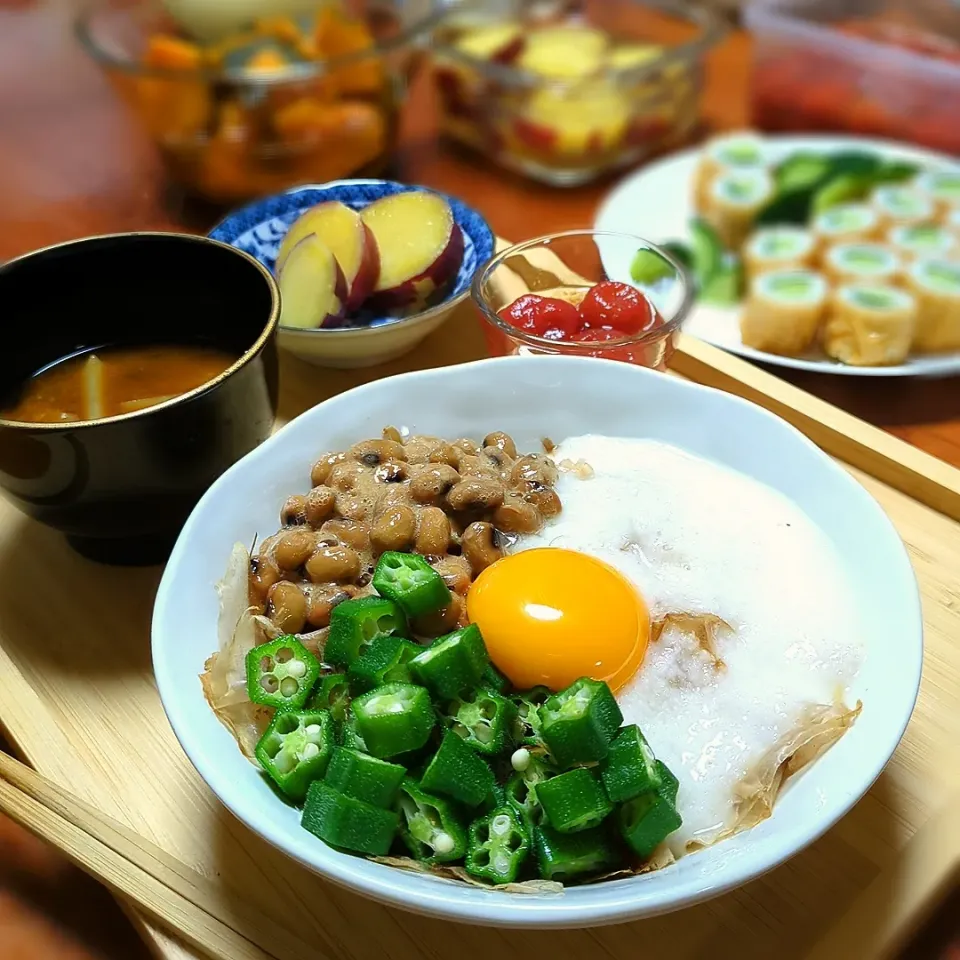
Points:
[(846, 223), (897, 204), (861, 262), (783, 311), (943, 187), (869, 324), (726, 154), (936, 285), (778, 248), (733, 202), (913, 240)]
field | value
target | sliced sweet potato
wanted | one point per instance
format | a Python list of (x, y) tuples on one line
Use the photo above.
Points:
[(500, 42), (312, 286), (633, 55), (592, 117), (420, 246), (564, 53), (350, 241)]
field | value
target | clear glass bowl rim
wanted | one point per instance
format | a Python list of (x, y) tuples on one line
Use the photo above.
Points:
[(712, 29), (84, 31), (669, 325)]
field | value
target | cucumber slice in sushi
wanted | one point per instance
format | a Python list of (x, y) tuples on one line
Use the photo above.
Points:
[(939, 276), (902, 204), (861, 261), (791, 287), (743, 189), (737, 151), (733, 203), (923, 240), (942, 185), (880, 298), (780, 245), (778, 248), (848, 221)]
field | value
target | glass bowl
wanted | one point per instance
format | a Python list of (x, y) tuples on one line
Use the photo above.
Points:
[(618, 81), (282, 102), (566, 265)]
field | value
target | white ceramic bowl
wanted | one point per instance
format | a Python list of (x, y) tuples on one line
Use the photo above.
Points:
[(532, 397), (352, 347)]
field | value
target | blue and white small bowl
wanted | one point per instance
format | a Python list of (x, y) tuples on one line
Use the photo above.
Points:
[(259, 228)]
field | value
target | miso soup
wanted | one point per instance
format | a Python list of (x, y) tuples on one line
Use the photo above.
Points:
[(112, 381)]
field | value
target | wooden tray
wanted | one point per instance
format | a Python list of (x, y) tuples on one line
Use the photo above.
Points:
[(79, 701)]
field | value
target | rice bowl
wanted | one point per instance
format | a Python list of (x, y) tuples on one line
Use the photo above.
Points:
[(526, 396)]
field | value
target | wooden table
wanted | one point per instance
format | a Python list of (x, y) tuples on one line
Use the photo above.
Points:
[(73, 162)]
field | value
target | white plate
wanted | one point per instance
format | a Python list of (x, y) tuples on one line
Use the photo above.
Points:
[(655, 203), (532, 397)]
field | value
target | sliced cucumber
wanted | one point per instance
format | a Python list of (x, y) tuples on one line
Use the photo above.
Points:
[(680, 252), (896, 171), (791, 207), (800, 171), (844, 188), (725, 287), (648, 268), (855, 163), (809, 183), (707, 251)]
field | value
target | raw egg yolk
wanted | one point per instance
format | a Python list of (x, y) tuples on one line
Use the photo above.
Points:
[(550, 616)]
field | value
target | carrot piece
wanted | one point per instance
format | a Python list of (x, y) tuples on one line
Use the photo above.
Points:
[(350, 123), (171, 53), (336, 36), (266, 60), (172, 110), (283, 28)]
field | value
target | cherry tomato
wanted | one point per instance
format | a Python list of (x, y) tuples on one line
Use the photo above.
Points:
[(616, 305), (544, 316)]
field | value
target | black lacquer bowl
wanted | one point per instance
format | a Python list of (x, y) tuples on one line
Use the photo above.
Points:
[(121, 487)]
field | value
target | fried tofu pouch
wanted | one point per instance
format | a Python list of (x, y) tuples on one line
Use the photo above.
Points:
[(783, 311), (870, 325), (936, 286)]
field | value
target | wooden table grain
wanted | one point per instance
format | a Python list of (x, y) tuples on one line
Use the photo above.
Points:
[(74, 162)]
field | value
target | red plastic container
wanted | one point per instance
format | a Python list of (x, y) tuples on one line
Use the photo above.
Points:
[(854, 66)]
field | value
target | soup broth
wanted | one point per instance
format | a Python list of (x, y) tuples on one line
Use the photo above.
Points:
[(109, 382)]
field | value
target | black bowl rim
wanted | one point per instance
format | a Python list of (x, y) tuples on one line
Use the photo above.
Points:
[(269, 330)]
